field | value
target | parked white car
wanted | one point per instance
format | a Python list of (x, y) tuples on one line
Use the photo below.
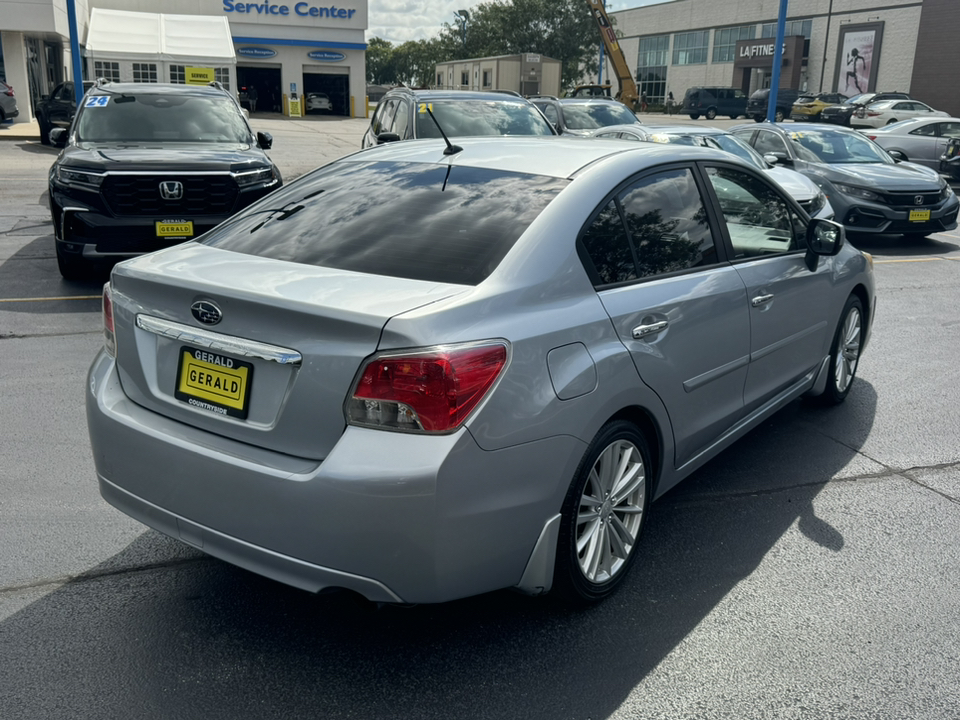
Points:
[(887, 112), (318, 101)]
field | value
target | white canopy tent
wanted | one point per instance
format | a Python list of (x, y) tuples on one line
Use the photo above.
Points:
[(118, 39)]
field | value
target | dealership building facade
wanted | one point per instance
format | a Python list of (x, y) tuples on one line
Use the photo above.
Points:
[(845, 46), (286, 49)]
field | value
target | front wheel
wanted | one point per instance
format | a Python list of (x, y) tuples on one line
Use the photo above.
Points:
[(711, 114), (845, 352), (45, 129), (603, 515), (72, 267)]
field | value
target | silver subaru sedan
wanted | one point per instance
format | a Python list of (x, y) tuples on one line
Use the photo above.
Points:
[(425, 371)]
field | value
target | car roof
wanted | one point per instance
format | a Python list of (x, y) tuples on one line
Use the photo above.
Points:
[(556, 156), (793, 127), (685, 130), (457, 95), (135, 88)]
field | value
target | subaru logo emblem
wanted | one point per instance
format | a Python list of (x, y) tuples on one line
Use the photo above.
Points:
[(207, 312), (918, 200), (171, 190)]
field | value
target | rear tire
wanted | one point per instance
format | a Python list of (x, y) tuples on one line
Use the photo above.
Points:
[(758, 118), (844, 352), (603, 515), (778, 116), (711, 114), (694, 116), (891, 121), (44, 130)]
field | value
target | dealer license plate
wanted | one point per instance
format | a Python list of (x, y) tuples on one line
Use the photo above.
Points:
[(174, 228), (214, 382), (919, 216)]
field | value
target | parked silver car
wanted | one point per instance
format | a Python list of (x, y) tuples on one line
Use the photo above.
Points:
[(424, 372), (919, 140), (8, 102)]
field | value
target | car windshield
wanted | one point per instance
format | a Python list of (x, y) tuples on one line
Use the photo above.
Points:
[(736, 146), (143, 117), (594, 115), (439, 223), (837, 148), (861, 99), (466, 118)]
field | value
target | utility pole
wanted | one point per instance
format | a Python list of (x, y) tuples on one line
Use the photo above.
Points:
[(777, 60), (75, 51)]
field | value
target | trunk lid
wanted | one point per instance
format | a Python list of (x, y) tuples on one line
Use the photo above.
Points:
[(275, 370)]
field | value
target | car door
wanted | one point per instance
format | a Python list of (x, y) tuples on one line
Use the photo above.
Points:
[(920, 145), (678, 307), (769, 142), (63, 106), (787, 303)]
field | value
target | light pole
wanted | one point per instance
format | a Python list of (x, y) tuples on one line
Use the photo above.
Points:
[(462, 16)]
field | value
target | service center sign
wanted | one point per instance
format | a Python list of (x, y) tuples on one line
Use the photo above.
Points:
[(296, 13)]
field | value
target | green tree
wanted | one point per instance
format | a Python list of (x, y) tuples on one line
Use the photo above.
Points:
[(560, 29), (379, 58)]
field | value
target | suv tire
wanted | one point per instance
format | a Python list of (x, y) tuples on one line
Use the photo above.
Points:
[(72, 267), (44, 130)]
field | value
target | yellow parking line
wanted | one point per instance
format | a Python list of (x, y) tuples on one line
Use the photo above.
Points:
[(907, 260), (65, 297)]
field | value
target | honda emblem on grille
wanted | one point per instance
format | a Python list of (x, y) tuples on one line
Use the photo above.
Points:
[(918, 199), (207, 312), (171, 190)]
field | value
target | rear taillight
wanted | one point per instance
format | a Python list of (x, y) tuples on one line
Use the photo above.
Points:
[(871, 113), (109, 336), (432, 390), (872, 137), (9, 91)]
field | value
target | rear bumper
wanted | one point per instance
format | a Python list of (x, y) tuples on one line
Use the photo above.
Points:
[(394, 517)]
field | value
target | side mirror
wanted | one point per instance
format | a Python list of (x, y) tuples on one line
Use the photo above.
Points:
[(58, 137), (386, 137), (824, 237), (771, 158), (265, 140), (44, 97), (896, 155), (781, 157)]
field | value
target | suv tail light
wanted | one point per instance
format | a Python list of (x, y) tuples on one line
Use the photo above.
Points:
[(9, 90), (109, 336), (432, 390)]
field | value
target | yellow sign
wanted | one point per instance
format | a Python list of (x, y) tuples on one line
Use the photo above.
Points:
[(175, 228), (295, 108), (214, 382), (198, 76)]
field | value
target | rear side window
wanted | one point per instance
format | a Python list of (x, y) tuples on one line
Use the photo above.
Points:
[(409, 220)]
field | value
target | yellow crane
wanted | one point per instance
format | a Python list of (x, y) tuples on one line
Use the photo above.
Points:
[(627, 94)]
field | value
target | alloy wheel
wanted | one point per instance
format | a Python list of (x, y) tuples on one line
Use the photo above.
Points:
[(848, 350)]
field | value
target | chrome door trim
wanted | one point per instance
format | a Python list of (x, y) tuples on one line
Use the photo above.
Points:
[(641, 331), (218, 341)]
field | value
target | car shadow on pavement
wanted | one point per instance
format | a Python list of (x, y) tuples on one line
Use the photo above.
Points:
[(37, 148), (898, 246), (159, 632), (31, 274)]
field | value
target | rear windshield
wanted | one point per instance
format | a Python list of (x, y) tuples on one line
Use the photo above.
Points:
[(142, 117), (466, 118), (590, 116), (411, 220)]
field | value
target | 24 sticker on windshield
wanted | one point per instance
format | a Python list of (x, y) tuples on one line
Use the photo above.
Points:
[(97, 101)]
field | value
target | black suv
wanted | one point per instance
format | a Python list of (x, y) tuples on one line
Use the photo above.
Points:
[(841, 114), (757, 104), (403, 114), (581, 116), (57, 109), (146, 166), (713, 101)]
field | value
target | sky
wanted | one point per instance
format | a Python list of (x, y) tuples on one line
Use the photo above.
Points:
[(402, 20)]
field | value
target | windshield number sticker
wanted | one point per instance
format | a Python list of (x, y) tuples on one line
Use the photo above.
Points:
[(796, 135), (97, 101), (423, 107)]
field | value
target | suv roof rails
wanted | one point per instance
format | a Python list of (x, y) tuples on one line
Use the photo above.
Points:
[(542, 97), (507, 92), (101, 81), (216, 84)]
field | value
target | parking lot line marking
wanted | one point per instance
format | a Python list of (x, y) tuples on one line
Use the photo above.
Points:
[(65, 297), (909, 260)]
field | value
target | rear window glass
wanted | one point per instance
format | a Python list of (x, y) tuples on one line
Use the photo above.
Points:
[(480, 117), (411, 220)]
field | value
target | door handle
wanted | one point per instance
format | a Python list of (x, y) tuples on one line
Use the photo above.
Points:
[(643, 330), (761, 299)]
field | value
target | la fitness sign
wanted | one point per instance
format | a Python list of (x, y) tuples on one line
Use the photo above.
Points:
[(302, 9)]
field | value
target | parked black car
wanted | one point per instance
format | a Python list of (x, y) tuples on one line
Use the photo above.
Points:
[(757, 104), (57, 109), (870, 192), (402, 114), (713, 101), (841, 114), (146, 166)]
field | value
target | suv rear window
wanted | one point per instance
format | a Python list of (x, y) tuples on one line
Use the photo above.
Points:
[(464, 118), (411, 220)]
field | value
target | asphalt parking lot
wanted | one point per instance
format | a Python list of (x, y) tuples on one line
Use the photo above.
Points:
[(810, 571)]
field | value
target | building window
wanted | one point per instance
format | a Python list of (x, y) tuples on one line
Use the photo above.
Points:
[(725, 41), (145, 72), (465, 77), (222, 76), (792, 27), (652, 67), (107, 70), (439, 79), (690, 48), (178, 74), (487, 78)]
